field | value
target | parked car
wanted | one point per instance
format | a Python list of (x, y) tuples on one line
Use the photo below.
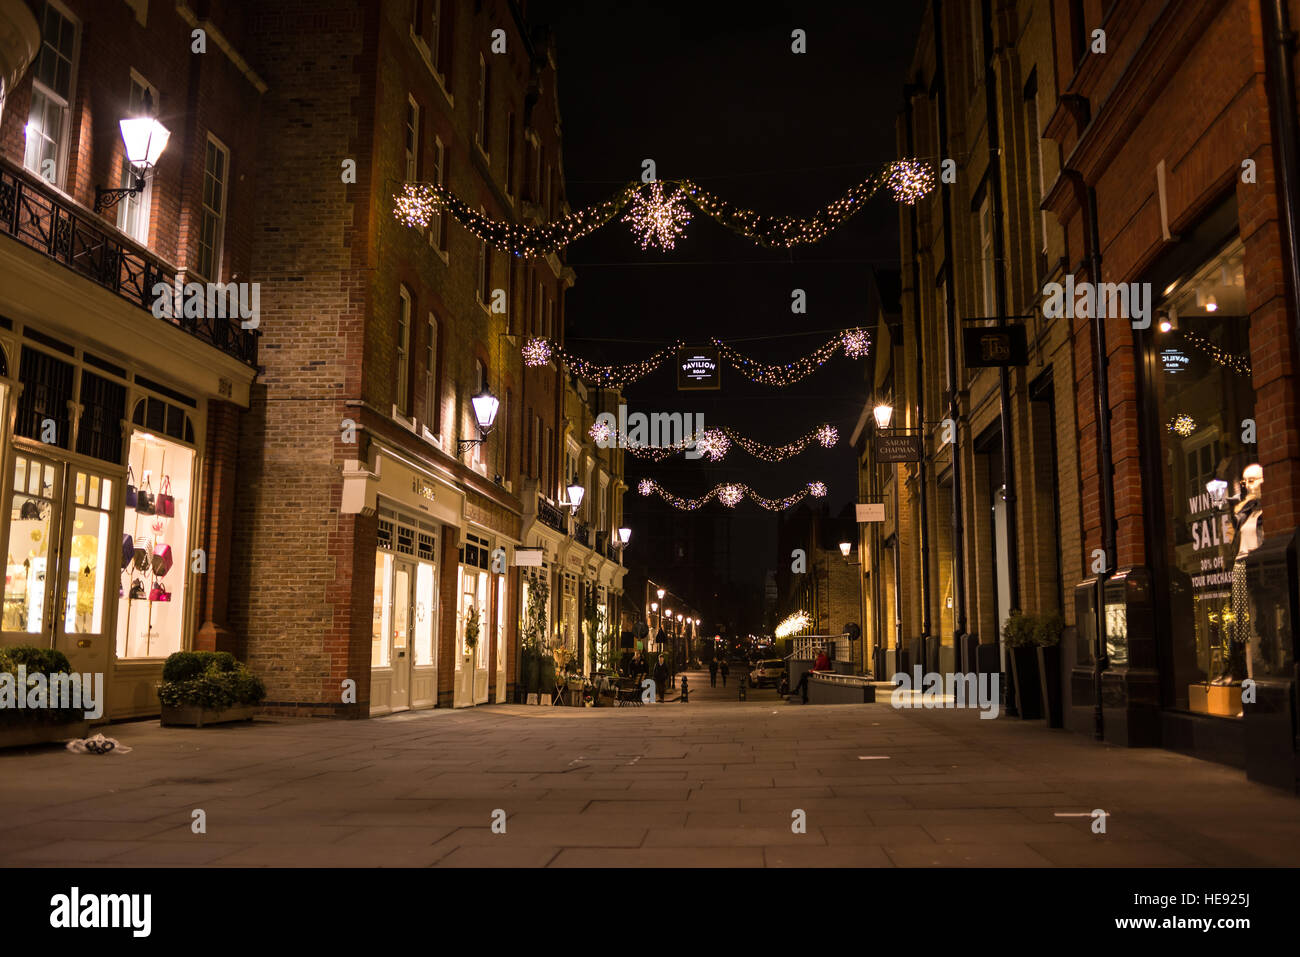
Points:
[(767, 672)]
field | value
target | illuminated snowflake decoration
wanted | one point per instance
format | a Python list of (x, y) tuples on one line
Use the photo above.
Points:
[(856, 343), (646, 487), (909, 180), (731, 495), (817, 489), (601, 433), (416, 205), (658, 220), (1182, 424), (537, 352), (713, 443), (828, 435)]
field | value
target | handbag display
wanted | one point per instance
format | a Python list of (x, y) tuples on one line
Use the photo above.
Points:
[(128, 550), (144, 500), (130, 488), (158, 593), (166, 504), (137, 589), (141, 558), (162, 560)]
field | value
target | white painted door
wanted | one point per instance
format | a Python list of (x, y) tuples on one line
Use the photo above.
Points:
[(502, 611), (401, 655)]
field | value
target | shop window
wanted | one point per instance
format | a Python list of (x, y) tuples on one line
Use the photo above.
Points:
[(151, 615), (383, 608), (1212, 480), (43, 405), (159, 416), (31, 524)]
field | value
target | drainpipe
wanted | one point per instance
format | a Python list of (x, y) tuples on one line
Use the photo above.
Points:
[(1000, 297), (950, 296), (924, 537), (1280, 84)]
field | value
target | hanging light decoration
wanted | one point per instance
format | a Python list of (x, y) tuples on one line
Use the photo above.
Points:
[(793, 624), (714, 444), (660, 217), (783, 374), (730, 494), (601, 432), (857, 343), (536, 352), (828, 435), (657, 219), (1182, 424), (909, 180)]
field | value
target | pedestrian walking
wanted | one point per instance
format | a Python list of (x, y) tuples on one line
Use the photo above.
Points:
[(662, 680), (726, 670), (713, 672)]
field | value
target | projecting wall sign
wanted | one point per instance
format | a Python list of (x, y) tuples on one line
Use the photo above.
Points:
[(898, 448), (870, 511), (995, 346), (698, 368)]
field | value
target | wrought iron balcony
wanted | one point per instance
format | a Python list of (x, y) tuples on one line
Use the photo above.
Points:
[(582, 533), (41, 219), (602, 544), (550, 515)]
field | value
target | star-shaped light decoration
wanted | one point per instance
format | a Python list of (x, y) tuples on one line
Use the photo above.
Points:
[(1182, 424), (731, 495), (817, 489), (909, 180), (828, 435), (658, 220), (856, 343), (600, 432), (537, 352), (646, 487), (713, 443), (416, 204)]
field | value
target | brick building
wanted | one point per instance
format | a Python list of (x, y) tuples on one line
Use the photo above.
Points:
[(1127, 143), (822, 582), (364, 470), (120, 412)]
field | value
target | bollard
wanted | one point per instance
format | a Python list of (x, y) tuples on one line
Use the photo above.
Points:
[(741, 684), (686, 691)]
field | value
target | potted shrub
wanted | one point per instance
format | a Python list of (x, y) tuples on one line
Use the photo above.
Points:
[(1047, 641), (19, 668), (208, 687), (533, 647), (1018, 633)]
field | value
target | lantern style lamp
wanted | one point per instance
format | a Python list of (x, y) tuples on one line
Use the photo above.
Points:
[(145, 139), (883, 414), (660, 593), (575, 492), (624, 534), (485, 415)]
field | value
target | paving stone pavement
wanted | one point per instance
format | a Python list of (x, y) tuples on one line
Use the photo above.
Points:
[(712, 782)]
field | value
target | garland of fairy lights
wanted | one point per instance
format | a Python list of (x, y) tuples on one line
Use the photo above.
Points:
[(855, 343), (731, 494), (657, 213), (1229, 360), (714, 444)]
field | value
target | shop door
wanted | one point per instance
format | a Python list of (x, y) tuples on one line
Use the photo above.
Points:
[(57, 577), (401, 655), (500, 695)]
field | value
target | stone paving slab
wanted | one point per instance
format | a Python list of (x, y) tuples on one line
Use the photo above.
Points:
[(709, 784)]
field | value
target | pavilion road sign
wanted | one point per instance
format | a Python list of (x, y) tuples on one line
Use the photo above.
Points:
[(904, 447), (698, 368), (995, 346)]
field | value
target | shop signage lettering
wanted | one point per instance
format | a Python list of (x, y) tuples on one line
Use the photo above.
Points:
[(898, 448), (995, 347), (1173, 361), (697, 368), (422, 488)]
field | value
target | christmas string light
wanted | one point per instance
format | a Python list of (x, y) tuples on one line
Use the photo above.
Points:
[(658, 219), (855, 342), (731, 494), (1182, 424), (1238, 364), (713, 444)]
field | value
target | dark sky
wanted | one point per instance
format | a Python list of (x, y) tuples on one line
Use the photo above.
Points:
[(713, 92)]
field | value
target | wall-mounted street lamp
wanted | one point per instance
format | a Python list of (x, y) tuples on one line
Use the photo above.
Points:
[(845, 548), (575, 493), (883, 414), (145, 139), (660, 593), (624, 534), (485, 414)]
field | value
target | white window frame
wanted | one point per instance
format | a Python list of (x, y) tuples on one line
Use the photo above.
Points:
[(206, 210), (412, 130), (140, 204), (482, 121), (401, 404), (63, 104), (437, 222), (431, 425), (986, 257), (484, 280)]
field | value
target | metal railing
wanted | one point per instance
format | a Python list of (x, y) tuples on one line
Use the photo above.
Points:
[(550, 515), (582, 533), (41, 219)]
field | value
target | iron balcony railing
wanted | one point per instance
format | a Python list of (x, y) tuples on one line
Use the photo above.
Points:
[(41, 219), (550, 515), (582, 533)]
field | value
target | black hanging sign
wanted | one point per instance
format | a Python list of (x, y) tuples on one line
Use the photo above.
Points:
[(698, 368), (995, 346), (902, 447)]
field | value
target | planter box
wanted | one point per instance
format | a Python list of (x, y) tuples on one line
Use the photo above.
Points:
[(42, 732), (1024, 672), (1049, 681), (198, 717)]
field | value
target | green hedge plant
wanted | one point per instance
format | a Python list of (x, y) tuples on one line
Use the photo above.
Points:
[(44, 661), (213, 680)]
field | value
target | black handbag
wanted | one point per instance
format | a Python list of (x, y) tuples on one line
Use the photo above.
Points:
[(144, 500), (130, 488)]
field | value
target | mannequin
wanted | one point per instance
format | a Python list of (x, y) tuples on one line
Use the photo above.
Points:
[(1247, 519)]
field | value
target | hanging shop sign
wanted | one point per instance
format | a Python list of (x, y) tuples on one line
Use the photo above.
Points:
[(870, 511), (1173, 361), (698, 368), (529, 557), (995, 346), (897, 448)]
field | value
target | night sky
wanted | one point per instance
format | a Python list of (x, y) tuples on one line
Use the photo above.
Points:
[(713, 92)]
